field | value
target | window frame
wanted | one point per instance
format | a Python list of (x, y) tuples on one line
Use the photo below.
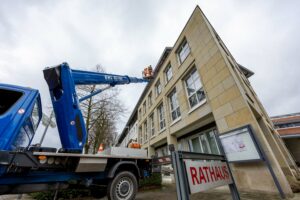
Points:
[(177, 109), (167, 69), (140, 134), (187, 76), (150, 100), (144, 107), (157, 92), (182, 47), (140, 114), (161, 116), (145, 125), (204, 133), (152, 125)]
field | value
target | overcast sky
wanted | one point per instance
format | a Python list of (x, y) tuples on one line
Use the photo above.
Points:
[(125, 36)]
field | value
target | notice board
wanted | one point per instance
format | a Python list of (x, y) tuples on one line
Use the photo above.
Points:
[(240, 146)]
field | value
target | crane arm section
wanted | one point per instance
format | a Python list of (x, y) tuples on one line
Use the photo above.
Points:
[(92, 78), (61, 81)]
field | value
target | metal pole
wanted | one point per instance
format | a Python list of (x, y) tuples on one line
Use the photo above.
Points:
[(182, 177), (282, 195), (55, 195), (267, 161), (181, 188), (174, 164), (46, 128)]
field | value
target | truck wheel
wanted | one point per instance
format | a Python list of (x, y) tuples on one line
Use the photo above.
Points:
[(123, 187)]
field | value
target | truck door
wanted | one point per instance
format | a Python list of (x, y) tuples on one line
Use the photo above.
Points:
[(28, 128)]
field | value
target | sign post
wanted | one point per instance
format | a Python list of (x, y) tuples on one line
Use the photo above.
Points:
[(196, 172), (241, 145)]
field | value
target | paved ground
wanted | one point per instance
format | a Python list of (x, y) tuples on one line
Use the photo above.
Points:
[(169, 193)]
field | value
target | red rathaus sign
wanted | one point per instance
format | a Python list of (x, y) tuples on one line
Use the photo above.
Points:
[(204, 175)]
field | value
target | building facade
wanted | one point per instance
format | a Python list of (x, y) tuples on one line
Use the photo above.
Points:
[(199, 91), (288, 127), (132, 135)]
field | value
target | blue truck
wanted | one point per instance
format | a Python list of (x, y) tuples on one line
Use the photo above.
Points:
[(26, 168)]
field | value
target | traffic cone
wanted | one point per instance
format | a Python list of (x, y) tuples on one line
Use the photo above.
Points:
[(101, 148)]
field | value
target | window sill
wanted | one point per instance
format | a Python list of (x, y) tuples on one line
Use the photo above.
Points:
[(162, 130), (197, 106), (152, 137), (175, 121)]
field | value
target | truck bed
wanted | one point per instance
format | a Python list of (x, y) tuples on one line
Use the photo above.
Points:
[(114, 152), (98, 162)]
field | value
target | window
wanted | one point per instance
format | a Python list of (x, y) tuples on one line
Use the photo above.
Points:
[(22, 140), (288, 125), (161, 117), (152, 129), (140, 114), (144, 107), (183, 51), (168, 73), (205, 143), (8, 99), (194, 88), (150, 100), (211, 138), (24, 136), (145, 132), (35, 116), (140, 135), (162, 151), (157, 88), (174, 105)]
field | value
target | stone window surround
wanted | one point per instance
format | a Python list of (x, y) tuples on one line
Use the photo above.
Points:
[(168, 73), (152, 125), (162, 119), (145, 130), (200, 102), (158, 88), (184, 45), (150, 99), (173, 102)]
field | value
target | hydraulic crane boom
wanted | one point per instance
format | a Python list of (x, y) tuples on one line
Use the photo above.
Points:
[(62, 81)]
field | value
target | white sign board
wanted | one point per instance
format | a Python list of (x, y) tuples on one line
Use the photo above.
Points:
[(239, 146), (204, 175)]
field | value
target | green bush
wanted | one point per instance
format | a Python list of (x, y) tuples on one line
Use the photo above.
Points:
[(154, 180), (62, 194)]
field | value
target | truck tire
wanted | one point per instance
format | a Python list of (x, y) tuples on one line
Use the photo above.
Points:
[(123, 186)]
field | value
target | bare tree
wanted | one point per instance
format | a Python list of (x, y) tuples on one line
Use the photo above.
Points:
[(101, 113)]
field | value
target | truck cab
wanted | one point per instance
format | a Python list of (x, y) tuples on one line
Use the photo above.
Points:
[(20, 115)]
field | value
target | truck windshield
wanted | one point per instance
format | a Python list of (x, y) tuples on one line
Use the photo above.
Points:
[(7, 99)]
